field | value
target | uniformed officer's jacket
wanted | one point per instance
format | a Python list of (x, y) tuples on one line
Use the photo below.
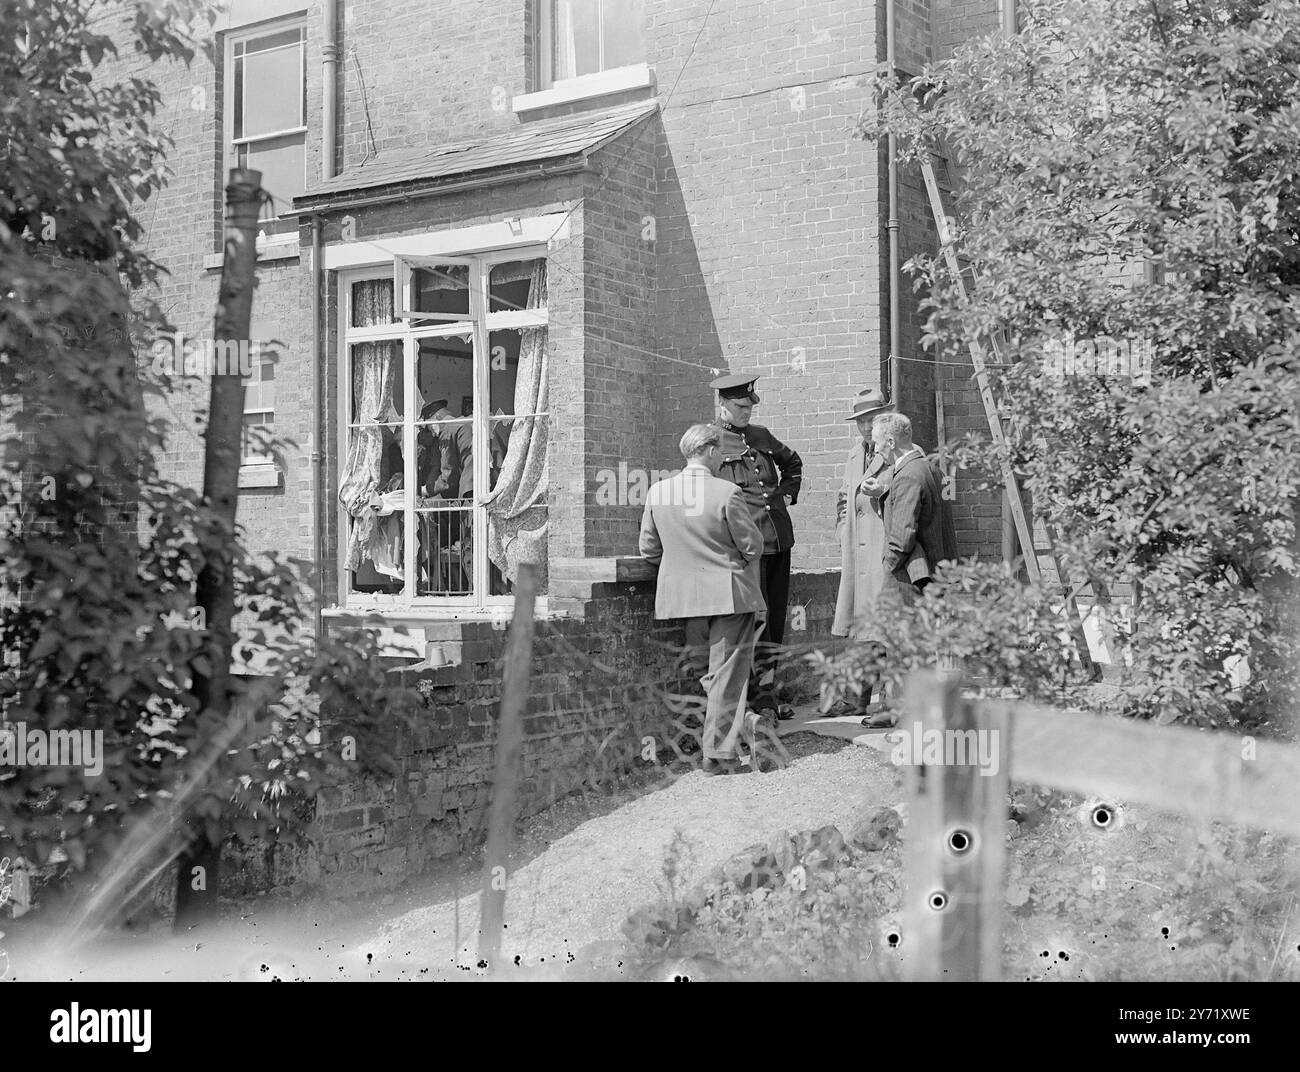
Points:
[(766, 471)]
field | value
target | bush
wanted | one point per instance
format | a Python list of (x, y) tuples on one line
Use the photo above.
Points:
[(977, 616)]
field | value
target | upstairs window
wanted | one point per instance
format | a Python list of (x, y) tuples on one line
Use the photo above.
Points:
[(259, 404), (266, 115), (578, 38)]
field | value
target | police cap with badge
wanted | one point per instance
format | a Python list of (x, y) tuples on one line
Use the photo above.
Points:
[(736, 385)]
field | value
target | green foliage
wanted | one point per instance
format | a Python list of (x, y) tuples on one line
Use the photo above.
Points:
[(978, 616), (99, 551), (825, 924), (830, 929), (1149, 898), (1131, 171)]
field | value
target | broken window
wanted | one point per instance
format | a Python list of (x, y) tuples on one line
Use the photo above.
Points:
[(444, 497)]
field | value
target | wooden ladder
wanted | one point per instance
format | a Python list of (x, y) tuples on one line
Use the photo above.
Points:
[(1036, 538)]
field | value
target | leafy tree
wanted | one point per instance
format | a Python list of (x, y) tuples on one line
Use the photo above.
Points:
[(1130, 171), (100, 550)]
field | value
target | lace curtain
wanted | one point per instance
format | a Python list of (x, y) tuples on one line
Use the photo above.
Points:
[(374, 367), (518, 517)]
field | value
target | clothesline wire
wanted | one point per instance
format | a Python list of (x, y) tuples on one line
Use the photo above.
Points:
[(662, 356)]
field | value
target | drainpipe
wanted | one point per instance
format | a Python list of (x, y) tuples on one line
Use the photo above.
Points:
[(329, 107), (329, 113), (318, 423), (895, 326), (1007, 19)]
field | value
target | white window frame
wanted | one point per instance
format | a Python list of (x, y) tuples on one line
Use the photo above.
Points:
[(229, 143), (550, 90), (258, 402), (409, 330)]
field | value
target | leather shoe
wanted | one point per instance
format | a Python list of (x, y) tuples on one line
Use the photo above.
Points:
[(844, 709)]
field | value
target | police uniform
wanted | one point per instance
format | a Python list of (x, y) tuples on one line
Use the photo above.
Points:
[(767, 471)]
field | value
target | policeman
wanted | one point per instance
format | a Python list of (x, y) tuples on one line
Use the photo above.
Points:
[(767, 471)]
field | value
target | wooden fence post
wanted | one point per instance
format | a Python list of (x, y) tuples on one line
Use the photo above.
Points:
[(957, 754), (505, 780)]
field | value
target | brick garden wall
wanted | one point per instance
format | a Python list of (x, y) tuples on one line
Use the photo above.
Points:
[(608, 672)]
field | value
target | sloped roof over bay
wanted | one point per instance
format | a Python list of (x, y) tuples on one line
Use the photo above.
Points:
[(567, 138)]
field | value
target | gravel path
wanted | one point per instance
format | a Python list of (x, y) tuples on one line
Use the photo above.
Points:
[(582, 888)]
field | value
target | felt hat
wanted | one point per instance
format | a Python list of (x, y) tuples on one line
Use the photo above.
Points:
[(870, 401)]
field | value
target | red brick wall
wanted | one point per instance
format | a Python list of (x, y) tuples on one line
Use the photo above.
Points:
[(956, 21), (620, 363), (433, 72), (769, 230)]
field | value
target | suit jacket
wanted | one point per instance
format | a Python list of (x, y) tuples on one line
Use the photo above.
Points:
[(918, 529), (446, 455), (698, 530)]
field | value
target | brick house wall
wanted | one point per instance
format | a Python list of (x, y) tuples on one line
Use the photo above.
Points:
[(956, 21), (770, 234)]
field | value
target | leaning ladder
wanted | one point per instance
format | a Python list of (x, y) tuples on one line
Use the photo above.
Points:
[(1046, 544)]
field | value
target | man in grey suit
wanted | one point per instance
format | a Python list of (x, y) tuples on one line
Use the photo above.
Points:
[(697, 528)]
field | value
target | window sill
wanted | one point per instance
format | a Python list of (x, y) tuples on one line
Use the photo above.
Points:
[(260, 475), (266, 251), (600, 84), (433, 635)]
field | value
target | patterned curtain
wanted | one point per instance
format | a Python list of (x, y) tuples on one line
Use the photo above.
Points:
[(374, 366), (516, 508)]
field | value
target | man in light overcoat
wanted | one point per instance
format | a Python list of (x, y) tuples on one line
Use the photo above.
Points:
[(860, 527), (861, 531), (699, 530)]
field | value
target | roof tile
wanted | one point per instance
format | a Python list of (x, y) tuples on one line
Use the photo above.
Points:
[(543, 140)]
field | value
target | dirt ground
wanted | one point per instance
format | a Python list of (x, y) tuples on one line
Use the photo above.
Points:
[(578, 869)]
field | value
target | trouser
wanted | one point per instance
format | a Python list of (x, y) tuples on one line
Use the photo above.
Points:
[(726, 682), (774, 578)]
